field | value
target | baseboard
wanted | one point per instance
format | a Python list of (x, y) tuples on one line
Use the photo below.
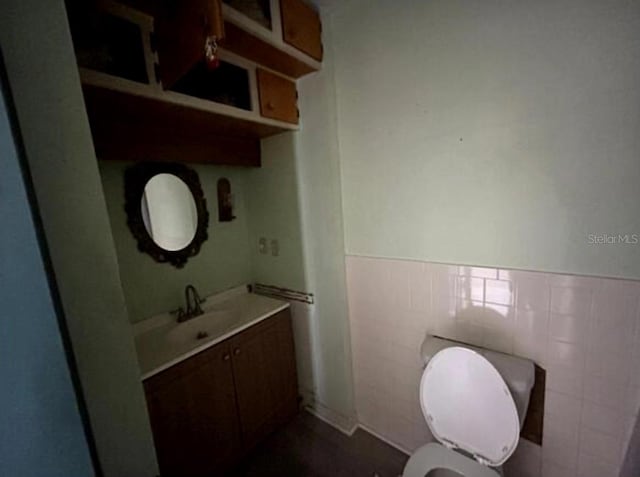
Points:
[(383, 439), (348, 425), (344, 424)]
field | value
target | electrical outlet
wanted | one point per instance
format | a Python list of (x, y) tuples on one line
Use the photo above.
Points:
[(262, 245), (275, 247)]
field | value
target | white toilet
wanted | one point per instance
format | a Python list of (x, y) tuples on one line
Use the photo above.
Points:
[(474, 401)]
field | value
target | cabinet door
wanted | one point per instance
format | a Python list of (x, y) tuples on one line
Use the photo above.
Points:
[(278, 97), (265, 377), (301, 27), (181, 29), (193, 415)]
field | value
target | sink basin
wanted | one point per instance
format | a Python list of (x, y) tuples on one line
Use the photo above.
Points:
[(162, 343), (209, 324)]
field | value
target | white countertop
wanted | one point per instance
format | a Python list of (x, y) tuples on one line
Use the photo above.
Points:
[(162, 342)]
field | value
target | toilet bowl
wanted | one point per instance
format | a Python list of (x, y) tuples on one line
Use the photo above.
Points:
[(471, 413), (435, 460)]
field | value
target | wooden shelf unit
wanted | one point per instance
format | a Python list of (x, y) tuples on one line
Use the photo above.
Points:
[(145, 118), (133, 120)]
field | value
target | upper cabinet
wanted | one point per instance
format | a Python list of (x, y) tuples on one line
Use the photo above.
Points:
[(301, 27), (198, 76), (282, 35), (278, 97), (183, 30)]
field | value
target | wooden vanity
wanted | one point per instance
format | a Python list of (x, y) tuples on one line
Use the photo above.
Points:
[(209, 409)]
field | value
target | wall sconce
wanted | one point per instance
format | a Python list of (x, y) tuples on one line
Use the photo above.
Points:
[(225, 201)]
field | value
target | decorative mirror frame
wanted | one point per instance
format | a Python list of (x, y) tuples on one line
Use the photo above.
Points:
[(135, 180)]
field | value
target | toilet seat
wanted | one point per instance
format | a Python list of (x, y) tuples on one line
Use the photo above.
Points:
[(433, 456), (468, 406)]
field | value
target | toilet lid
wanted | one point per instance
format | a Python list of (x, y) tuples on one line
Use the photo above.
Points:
[(468, 405)]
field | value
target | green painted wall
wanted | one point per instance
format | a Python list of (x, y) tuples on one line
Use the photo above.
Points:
[(321, 204), (295, 197), (44, 80), (223, 262), (491, 133), (274, 210)]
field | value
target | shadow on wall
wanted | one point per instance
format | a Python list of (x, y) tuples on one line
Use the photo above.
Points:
[(471, 323), (302, 323), (631, 465)]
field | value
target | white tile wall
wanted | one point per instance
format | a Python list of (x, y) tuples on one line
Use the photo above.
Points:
[(584, 331)]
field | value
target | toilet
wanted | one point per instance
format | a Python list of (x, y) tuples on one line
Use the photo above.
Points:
[(474, 401)]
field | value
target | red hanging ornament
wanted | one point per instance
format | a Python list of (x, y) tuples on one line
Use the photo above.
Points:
[(211, 57)]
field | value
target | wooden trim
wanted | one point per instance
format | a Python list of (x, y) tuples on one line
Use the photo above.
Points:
[(123, 142)]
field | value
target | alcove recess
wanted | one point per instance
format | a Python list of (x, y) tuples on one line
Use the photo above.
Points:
[(149, 93)]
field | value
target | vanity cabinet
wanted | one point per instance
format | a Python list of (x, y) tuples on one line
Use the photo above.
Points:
[(208, 410), (193, 415), (265, 377)]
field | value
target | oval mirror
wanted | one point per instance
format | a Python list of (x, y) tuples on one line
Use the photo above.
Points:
[(166, 210), (169, 212)]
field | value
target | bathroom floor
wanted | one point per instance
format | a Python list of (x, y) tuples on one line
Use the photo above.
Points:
[(308, 447)]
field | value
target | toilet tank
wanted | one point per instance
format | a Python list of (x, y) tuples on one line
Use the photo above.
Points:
[(518, 373)]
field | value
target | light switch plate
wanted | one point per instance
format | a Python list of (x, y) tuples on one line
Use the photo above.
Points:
[(262, 245), (275, 247)]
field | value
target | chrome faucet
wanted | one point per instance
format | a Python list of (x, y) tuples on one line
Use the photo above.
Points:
[(193, 307)]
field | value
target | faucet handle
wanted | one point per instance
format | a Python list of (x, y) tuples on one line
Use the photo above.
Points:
[(179, 313)]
